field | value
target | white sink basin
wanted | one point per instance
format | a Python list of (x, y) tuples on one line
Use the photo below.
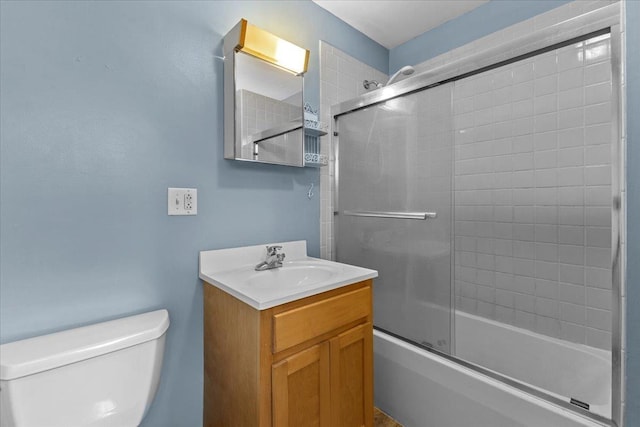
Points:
[(232, 270), (293, 274)]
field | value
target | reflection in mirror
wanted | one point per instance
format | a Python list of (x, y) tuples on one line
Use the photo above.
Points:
[(269, 107), (263, 97)]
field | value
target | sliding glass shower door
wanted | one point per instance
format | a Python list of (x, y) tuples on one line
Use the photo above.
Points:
[(497, 188), (394, 198)]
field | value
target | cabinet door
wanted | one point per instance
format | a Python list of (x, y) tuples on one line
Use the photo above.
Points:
[(300, 389), (352, 378)]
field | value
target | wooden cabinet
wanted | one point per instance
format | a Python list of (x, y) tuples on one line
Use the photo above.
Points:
[(304, 363), (300, 388), (352, 377)]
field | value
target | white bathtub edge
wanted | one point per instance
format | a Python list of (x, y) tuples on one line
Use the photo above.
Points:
[(470, 381)]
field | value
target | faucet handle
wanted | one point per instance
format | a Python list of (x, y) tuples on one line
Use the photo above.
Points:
[(273, 250)]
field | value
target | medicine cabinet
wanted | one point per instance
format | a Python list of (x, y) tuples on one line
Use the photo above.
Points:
[(264, 114)]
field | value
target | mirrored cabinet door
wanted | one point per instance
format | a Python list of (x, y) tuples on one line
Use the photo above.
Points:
[(268, 111), (263, 83)]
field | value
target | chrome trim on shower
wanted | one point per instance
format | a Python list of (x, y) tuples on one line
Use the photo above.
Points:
[(509, 51), (617, 374), (600, 21), (397, 215)]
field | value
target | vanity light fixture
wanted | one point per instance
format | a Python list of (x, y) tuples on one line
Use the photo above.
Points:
[(268, 47)]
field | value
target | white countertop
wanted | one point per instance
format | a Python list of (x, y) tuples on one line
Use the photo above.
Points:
[(232, 270)]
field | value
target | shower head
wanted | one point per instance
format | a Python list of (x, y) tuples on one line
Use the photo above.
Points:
[(404, 71), (368, 84)]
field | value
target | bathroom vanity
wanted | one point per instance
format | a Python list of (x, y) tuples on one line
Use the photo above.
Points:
[(290, 346)]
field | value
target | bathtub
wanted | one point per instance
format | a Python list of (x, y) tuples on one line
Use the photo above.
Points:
[(422, 389)]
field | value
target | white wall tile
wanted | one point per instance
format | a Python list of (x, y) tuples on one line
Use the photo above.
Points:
[(598, 134), (598, 277), (546, 122), (571, 215), (597, 73), (525, 320), (598, 237), (571, 254), (521, 284), (597, 196), (523, 143), (545, 64), (572, 332), (570, 235), (570, 177), (341, 79), (570, 118), (505, 315), (569, 79), (598, 216), (571, 58), (546, 178), (571, 157), (597, 154), (524, 232), (545, 85), (597, 93), (525, 302), (571, 137), (568, 196), (524, 90), (598, 257), (547, 326), (532, 182), (547, 289), (571, 275), (598, 338), (574, 313), (598, 113), (598, 298), (545, 141), (547, 233), (547, 196), (571, 293), (546, 103), (524, 250)]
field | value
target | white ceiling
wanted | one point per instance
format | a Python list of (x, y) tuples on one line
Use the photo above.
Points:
[(393, 22)]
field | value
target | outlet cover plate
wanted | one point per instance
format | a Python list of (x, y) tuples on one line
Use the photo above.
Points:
[(182, 201)]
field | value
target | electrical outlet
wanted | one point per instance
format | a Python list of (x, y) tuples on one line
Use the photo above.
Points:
[(182, 201), (188, 201)]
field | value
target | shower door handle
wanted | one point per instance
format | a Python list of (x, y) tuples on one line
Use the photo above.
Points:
[(397, 215)]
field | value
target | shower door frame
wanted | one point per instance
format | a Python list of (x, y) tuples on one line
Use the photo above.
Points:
[(606, 20)]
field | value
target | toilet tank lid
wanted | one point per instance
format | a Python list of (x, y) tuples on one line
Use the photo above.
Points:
[(33, 355)]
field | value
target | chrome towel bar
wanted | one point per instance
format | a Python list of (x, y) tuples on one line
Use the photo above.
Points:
[(397, 215)]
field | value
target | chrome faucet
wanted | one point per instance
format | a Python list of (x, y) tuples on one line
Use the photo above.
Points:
[(274, 259)]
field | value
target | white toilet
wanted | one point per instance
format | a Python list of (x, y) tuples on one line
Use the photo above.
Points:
[(105, 374)]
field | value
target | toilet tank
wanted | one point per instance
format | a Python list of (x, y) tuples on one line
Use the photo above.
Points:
[(104, 374)]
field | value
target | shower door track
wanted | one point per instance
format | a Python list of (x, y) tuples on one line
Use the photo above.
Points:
[(602, 21), (597, 22)]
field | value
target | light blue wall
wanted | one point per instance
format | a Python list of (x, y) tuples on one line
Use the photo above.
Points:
[(105, 105), (484, 20), (496, 15)]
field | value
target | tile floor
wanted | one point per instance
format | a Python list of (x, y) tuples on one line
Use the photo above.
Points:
[(380, 419)]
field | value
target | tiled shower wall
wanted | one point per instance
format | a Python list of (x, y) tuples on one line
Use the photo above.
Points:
[(261, 112), (341, 78), (589, 322), (533, 193)]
